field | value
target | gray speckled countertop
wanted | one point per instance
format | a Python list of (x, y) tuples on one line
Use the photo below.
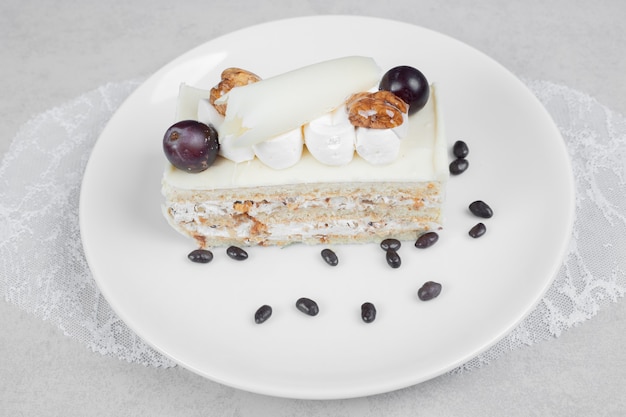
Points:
[(51, 52)]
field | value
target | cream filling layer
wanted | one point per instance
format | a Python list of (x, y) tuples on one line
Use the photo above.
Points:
[(331, 137), (184, 214)]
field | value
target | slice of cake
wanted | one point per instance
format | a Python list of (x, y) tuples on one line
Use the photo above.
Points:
[(373, 170)]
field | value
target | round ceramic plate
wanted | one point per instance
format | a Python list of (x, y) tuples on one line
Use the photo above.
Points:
[(201, 315)]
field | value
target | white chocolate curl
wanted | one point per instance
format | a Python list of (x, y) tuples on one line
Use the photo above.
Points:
[(270, 107)]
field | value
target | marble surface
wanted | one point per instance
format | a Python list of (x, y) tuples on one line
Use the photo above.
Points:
[(51, 53)]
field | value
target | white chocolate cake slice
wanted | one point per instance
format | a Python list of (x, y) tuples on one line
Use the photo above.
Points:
[(247, 202)]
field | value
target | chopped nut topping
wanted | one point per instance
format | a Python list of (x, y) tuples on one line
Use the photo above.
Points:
[(231, 78), (379, 110), (243, 207)]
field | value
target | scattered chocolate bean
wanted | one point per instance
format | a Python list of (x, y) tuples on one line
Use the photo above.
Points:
[(390, 244), (393, 259), (330, 257), (458, 166), (481, 209), (307, 306), (426, 240), (202, 256), (237, 253), (460, 149), (262, 314), (429, 290), (368, 312), (478, 230)]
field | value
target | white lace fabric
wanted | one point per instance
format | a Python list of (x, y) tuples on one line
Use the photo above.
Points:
[(43, 268)]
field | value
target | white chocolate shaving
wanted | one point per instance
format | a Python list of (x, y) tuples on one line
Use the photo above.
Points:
[(265, 109), (188, 100)]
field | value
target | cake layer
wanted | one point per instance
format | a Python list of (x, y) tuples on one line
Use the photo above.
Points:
[(310, 213)]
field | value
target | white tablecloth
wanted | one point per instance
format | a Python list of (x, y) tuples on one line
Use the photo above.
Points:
[(54, 56)]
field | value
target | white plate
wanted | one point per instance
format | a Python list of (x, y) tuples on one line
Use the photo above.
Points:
[(201, 316)]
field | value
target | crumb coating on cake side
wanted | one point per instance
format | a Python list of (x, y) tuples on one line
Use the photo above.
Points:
[(310, 214)]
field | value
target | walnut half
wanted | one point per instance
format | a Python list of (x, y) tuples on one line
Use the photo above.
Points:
[(231, 78), (378, 110)]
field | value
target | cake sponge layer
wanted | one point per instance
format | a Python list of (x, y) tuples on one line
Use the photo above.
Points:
[(306, 213)]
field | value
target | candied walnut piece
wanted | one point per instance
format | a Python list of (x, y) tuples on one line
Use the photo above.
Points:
[(378, 110), (231, 78), (243, 207)]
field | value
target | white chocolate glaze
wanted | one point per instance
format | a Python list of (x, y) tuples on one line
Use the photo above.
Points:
[(423, 156)]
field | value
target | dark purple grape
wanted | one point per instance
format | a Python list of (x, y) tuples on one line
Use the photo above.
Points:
[(409, 84), (190, 145)]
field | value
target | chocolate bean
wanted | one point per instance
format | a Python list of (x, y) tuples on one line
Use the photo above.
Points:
[(460, 149), (330, 257), (368, 312), (429, 290), (481, 209), (262, 314), (426, 240), (393, 259), (478, 230), (202, 256), (307, 306), (387, 244), (458, 166), (237, 253)]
